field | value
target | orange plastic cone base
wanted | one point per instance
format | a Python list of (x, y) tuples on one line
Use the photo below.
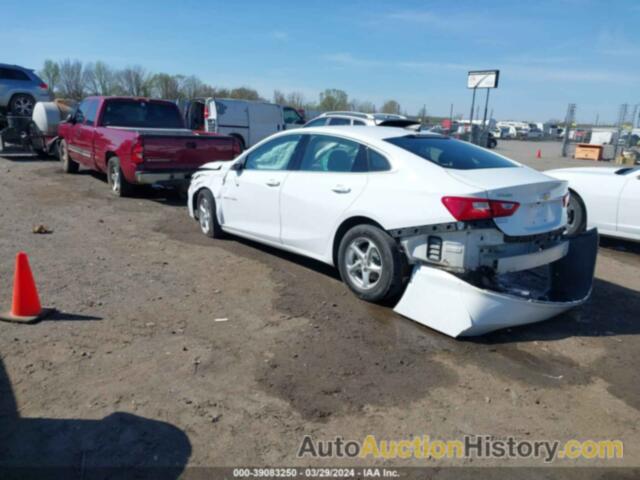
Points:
[(26, 303), (539, 154)]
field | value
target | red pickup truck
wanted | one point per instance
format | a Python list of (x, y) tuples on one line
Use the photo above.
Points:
[(137, 141)]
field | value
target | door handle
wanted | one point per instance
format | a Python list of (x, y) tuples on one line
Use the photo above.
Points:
[(341, 189), (273, 183)]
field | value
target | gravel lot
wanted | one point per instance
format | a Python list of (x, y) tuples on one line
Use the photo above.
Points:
[(172, 349)]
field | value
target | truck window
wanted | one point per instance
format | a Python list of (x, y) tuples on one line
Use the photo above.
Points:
[(141, 113), (91, 108), (291, 116)]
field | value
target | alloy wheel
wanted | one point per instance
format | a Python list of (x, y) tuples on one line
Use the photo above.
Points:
[(204, 215), (363, 263)]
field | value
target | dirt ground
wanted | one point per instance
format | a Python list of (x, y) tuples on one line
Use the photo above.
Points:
[(171, 349)]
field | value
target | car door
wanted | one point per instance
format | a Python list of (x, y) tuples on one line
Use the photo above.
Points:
[(85, 131), (250, 196), (330, 174), (629, 206)]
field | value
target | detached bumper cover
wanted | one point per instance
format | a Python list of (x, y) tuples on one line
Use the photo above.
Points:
[(444, 302)]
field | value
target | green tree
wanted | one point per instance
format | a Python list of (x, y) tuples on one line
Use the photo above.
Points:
[(391, 106), (333, 99), (244, 93)]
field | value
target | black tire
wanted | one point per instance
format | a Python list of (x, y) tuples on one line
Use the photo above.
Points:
[(22, 104), (206, 212), (576, 215), (118, 184), (241, 142), (68, 164), (387, 281)]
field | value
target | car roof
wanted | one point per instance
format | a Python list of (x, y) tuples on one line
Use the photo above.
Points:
[(18, 67), (365, 134)]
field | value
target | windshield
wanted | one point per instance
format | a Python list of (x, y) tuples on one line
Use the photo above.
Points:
[(450, 153), (141, 113)]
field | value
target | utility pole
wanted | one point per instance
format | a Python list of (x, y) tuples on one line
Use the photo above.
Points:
[(597, 119), (622, 115), (568, 121), (473, 103), (486, 106), (633, 117)]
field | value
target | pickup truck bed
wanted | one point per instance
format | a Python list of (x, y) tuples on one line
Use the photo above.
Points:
[(101, 135)]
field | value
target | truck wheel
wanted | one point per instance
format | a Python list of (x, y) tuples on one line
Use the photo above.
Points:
[(372, 264), (207, 217), (22, 104), (576, 215), (120, 187), (68, 165)]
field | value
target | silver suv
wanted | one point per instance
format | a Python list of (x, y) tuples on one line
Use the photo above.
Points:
[(20, 89), (359, 118)]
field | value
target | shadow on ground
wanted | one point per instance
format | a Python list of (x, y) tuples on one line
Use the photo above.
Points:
[(120, 445)]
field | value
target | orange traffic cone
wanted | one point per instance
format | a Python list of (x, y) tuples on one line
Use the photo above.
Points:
[(539, 154), (26, 303)]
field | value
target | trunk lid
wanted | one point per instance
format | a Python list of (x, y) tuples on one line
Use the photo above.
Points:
[(540, 197)]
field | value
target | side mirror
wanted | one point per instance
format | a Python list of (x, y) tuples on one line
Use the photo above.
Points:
[(238, 166), (70, 119)]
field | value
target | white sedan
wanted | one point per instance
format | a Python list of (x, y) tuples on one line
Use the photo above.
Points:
[(463, 235), (606, 198)]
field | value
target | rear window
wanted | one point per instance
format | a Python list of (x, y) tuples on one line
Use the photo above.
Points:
[(450, 153), (140, 113)]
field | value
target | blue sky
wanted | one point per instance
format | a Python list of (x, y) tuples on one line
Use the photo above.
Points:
[(417, 52)]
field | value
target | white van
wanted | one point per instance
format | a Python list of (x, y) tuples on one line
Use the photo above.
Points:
[(248, 121)]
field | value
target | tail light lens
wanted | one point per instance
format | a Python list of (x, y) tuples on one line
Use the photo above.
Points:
[(237, 150), (43, 86), (137, 153), (468, 208), (206, 112)]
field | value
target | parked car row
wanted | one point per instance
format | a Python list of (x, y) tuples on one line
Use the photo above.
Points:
[(457, 237)]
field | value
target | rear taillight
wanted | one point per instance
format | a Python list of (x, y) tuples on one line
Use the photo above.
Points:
[(206, 112), (565, 200), (43, 86), (466, 208), (137, 152), (237, 149)]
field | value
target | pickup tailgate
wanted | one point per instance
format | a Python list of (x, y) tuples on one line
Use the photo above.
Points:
[(185, 152)]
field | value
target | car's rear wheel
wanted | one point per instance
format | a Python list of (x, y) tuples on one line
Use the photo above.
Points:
[(68, 165), (22, 104), (372, 264), (207, 218), (576, 215), (119, 185)]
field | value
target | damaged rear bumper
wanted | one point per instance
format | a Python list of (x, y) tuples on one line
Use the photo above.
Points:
[(451, 305)]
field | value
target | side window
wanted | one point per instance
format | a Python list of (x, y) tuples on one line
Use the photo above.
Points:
[(325, 153), (377, 162), (273, 155), (13, 74), (291, 116), (339, 121), (90, 112), (358, 122), (317, 123), (80, 111)]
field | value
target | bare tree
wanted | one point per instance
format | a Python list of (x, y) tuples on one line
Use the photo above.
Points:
[(167, 86), (365, 106), (71, 81), (279, 98), (104, 78), (51, 74), (135, 81), (295, 100)]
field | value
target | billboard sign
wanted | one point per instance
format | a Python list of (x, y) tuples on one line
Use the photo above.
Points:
[(483, 79)]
